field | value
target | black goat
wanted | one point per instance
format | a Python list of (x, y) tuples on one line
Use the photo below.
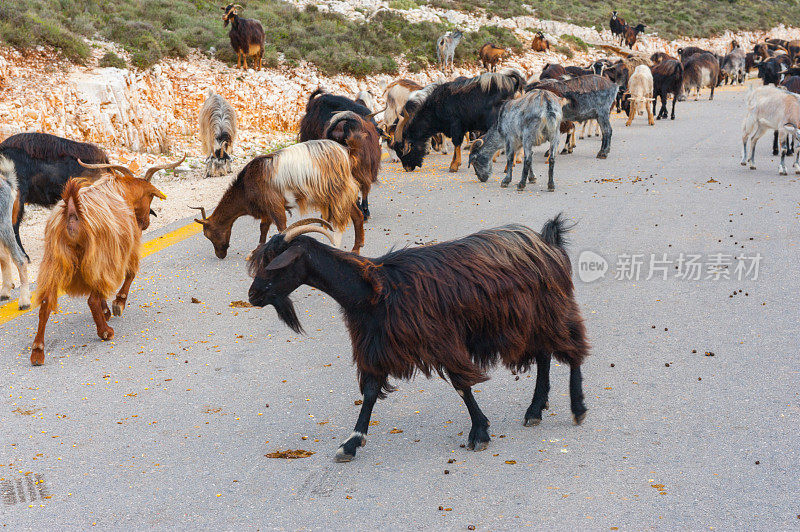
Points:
[(553, 71), (246, 35), (667, 79), (689, 51), (320, 109), (454, 108), (43, 164), (617, 25), (499, 295), (770, 71), (575, 71)]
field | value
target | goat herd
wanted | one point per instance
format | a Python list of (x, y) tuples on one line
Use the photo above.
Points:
[(452, 309)]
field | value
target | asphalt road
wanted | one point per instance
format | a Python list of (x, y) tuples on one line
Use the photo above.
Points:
[(169, 424)]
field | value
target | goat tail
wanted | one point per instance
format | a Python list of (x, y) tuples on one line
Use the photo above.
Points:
[(554, 231)]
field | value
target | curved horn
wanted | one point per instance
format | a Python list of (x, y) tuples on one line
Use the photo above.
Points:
[(119, 168), (401, 122), (151, 171), (202, 211), (289, 235), (307, 221), (237, 6), (375, 113)]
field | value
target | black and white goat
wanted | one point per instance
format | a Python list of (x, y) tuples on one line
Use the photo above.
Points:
[(522, 123), (500, 295), (217, 133)]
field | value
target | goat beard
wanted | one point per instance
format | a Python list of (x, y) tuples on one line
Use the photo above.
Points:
[(285, 309)]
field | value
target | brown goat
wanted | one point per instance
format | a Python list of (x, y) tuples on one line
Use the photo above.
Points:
[(92, 244), (312, 174), (490, 55), (363, 143), (540, 43)]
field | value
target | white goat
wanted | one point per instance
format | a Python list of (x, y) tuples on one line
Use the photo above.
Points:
[(640, 93), (770, 108), (217, 133)]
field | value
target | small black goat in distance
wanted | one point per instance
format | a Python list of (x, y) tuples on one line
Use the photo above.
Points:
[(452, 309)]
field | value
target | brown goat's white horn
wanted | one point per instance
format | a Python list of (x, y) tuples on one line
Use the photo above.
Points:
[(307, 221), (105, 166), (152, 171), (202, 212), (290, 234)]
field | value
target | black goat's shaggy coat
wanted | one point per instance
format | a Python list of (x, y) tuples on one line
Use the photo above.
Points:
[(320, 109), (43, 164), (453, 309), (454, 109), (667, 79)]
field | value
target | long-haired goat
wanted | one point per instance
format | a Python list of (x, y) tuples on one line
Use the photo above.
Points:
[(490, 55), (396, 95), (246, 35), (452, 309), (700, 71), (321, 107), (733, 66), (667, 79), (522, 123), (92, 245), (10, 251), (364, 146), (35, 167), (639, 94), (446, 48), (588, 98), (217, 133), (314, 174), (454, 108)]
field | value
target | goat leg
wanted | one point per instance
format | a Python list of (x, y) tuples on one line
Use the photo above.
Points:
[(96, 306), (576, 395), (533, 416), (456, 163), (358, 225), (478, 439), (364, 206), (650, 119), (264, 229), (371, 388), (48, 303), (122, 295), (5, 267), (509, 166)]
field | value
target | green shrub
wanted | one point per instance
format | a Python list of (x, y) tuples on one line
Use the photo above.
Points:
[(566, 50), (575, 42), (403, 4), (110, 59)]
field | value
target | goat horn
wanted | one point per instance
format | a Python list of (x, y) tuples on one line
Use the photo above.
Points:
[(237, 6), (289, 235), (375, 113), (307, 221), (122, 169), (151, 171), (202, 211)]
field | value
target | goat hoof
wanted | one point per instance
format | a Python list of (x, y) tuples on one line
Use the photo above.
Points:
[(478, 438), (520, 188), (37, 356), (4, 297), (602, 155), (752, 167), (117, 308), (551, 189), (743, 163), (783, 172), (453, 169), (577, 419), (532, 422), (503, 184), (24, 306), (343, 456), (108, 334)]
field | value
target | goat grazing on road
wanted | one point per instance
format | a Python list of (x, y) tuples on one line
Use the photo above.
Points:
[(396, 95), (499, 295), (92, 245), (667, 79), (313, 174), (246, 35), (588, 98), (9, 248), (217, 133), (454, 108), (522, 123), (639, 94), (446, 48), (490, 55)]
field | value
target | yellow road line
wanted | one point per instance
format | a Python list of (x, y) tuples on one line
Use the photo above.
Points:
[(9, 311)]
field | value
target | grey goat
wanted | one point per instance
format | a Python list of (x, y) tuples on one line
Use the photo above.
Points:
[(446, 48), (523, 123), (217, 133)]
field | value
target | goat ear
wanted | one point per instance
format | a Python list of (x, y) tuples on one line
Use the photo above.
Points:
[(286, 258)]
